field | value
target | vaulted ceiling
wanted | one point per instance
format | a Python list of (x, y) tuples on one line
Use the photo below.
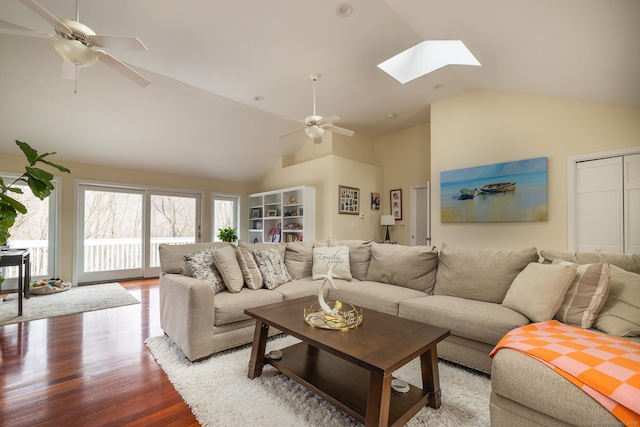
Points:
[(208, 60)]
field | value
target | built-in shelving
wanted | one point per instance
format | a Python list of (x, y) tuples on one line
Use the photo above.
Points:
[(286, 215)]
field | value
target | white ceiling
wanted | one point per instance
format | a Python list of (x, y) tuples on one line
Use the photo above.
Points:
[(209, 59)]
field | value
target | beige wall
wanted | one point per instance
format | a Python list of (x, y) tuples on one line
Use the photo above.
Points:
[(15, 164), (486, 127), (325, 173), (404, 158)]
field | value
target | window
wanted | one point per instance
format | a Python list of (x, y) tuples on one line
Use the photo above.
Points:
[(225, 212), (121, 228), (36, 230)]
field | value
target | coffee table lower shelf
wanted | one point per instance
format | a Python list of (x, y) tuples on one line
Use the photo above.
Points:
[(342, 383)]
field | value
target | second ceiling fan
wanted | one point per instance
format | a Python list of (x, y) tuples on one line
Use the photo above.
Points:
[(315, 125)]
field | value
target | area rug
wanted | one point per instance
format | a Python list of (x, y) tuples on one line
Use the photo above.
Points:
[(219, 392), (78, 299)]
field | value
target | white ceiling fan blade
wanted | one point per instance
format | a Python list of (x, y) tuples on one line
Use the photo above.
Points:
[(26, 33), (328, 120), (118, 42), (123, 69), (336, 129), (47, 16), (291, 132), (295, 120)]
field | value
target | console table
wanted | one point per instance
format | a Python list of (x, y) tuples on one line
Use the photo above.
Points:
[(18, 258)]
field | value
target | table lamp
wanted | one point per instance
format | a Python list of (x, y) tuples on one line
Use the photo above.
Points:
[(387, 220)]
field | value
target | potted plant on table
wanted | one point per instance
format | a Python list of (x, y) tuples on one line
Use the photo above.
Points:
[(38, 180), (227, 234)]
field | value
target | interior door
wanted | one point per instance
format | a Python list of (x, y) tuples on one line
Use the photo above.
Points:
[(420, 221), (599, 206)]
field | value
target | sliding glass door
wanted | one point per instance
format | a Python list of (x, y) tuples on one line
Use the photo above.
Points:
[(120, 229)]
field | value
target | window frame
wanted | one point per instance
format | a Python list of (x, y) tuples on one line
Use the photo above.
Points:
[(229, 197)]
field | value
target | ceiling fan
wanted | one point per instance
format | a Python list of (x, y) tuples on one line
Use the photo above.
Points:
[(315, 125), (78, 45)]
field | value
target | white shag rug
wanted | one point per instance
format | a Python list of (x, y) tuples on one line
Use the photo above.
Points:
[(78, 299), (219, 392)]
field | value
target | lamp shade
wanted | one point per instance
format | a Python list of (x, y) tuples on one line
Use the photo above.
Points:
[(75, 52), (314, 131), (387, 220)]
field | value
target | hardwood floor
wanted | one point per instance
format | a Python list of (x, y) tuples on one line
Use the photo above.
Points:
[(89, 369)]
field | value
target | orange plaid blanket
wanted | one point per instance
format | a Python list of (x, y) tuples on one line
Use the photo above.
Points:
[(605, 367)]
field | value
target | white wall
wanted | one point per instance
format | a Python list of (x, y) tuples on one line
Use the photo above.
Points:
[(487, 127)]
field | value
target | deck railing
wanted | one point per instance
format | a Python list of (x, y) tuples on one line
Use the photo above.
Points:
[(99, 254)]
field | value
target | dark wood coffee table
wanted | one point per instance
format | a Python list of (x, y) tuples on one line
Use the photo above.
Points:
[(352, 369)]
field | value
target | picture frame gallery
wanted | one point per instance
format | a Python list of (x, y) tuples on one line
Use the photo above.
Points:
[(348, 200)]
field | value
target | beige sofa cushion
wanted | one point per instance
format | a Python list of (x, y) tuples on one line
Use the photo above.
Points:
[(586, 295), (411, 267), (226, 262), (539, 290), (172, 256), (298, 258), (480, 321), (620, 314), (480, 274), (371, 295), (250, 270), (332, 256), (280, 247), (359, 256), (629, 262), (229, 308)]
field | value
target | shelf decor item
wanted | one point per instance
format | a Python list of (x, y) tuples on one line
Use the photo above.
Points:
[(255, 213), (348, 200), (338, 318)]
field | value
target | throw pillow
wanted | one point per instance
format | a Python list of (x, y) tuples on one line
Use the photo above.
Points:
[(250, 270), (299, 259), (359, 256), (411, 267), (620, 314), (586, 295), (479, 274), (201, 267), (538, 291), (227, 264), (333, 256), (271, 265)]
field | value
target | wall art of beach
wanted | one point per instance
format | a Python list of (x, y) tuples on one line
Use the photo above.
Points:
[(502, 192)]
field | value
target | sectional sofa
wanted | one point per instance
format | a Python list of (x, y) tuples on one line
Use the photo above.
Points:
[(478, 294)]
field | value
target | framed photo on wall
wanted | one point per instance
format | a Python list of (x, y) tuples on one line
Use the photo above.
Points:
[(396, 204), (348, 200)]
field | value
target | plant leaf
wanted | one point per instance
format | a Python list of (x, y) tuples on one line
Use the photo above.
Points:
[(8, 205), (32, 155), (60, 168), (39, 174)]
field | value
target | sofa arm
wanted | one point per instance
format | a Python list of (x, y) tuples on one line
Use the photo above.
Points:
[(187, 313)]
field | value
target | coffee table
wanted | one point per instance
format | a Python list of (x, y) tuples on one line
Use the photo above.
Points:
[(352, 369)]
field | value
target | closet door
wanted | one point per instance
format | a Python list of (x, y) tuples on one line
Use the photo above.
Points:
[(599, 206), (632, 203)]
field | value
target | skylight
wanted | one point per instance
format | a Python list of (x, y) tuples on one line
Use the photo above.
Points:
[(426, 57)]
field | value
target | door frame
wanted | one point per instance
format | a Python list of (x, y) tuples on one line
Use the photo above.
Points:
[(572, 161), (413, 217), (146, 191)]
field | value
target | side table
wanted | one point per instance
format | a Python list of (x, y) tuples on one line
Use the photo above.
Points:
[(20, 258)]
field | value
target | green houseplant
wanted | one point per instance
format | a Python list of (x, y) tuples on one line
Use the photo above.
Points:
[(227, 234), (38, 180)]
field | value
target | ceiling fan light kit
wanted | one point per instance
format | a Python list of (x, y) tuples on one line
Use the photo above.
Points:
[(315, 125)]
